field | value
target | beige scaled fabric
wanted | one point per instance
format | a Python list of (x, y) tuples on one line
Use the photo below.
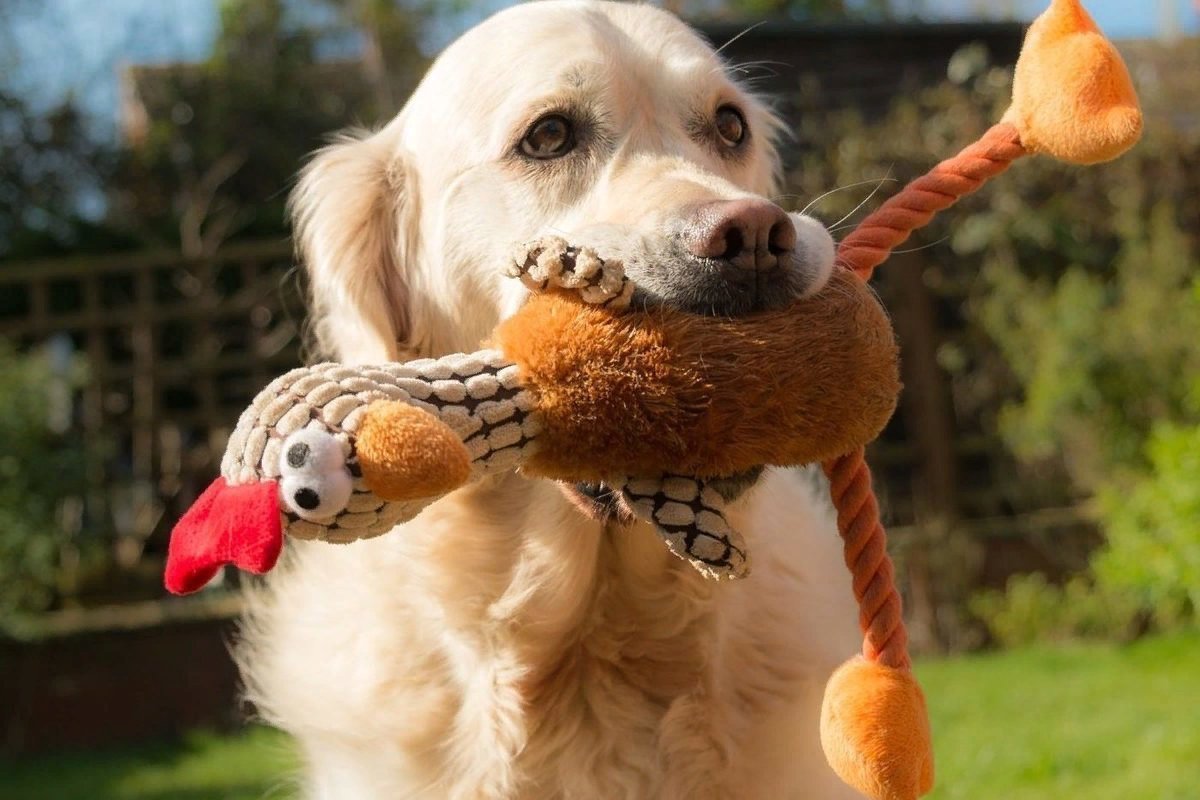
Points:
[(689, 514), (477, 396)]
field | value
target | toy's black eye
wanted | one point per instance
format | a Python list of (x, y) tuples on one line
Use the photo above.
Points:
[(731, 126), (297, 455), (306, 498), (552, 136)]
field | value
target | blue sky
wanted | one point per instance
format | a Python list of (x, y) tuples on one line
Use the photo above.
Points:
[(1119, 18), (77, 46)]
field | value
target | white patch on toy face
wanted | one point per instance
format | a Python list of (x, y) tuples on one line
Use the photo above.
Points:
[(314, 482)]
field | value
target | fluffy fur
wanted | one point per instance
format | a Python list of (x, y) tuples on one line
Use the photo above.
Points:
[(663, 391), (503, 645)]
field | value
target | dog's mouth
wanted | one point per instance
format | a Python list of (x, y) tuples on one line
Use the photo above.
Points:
[(712, 287), (601, 502)]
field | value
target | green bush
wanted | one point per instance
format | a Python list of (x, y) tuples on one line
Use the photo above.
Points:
[(1103, 355), (1153, 528), (1032, 609), (42, 472), (1074, 295), (1106, 355)]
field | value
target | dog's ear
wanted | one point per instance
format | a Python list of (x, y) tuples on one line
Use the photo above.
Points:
[(354, 219)]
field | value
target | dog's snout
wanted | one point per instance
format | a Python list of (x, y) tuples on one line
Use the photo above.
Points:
[(749, 233)]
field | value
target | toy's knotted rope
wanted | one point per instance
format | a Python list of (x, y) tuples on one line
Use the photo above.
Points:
[(870, 244), (885, 639), (1073, 99)]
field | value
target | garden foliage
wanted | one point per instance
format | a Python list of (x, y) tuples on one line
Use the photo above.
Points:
[(1077, 294), (42, 480)]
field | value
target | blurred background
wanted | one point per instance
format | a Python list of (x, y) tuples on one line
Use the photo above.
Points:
[(1041, 478)]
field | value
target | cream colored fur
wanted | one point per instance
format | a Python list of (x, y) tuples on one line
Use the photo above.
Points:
[(501, 645)]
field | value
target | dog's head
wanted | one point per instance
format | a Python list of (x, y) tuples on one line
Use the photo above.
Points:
[(612, 125)]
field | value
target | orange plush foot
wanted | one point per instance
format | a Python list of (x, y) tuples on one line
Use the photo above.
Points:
[(875, 731), (1072, 95), (409, 454)]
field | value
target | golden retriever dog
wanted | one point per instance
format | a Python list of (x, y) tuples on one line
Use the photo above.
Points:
[(519, 640)]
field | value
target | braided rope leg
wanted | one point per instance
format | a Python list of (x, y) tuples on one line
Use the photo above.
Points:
[(870, 244), (689, 515), (885, 639)]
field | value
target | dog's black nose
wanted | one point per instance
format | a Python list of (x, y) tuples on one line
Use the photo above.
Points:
[(750, 233)]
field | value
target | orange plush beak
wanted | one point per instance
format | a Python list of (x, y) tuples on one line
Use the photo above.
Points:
[(408, 454)]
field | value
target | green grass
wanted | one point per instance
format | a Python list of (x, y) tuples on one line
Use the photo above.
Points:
[(254, 765), (1093, 722)]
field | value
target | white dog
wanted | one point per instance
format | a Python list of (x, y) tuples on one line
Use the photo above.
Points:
[(506, 644)]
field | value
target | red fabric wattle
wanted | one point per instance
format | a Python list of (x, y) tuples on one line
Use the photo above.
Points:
[(237, 525)]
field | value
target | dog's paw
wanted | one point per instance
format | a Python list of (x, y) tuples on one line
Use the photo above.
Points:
[(552, 263)]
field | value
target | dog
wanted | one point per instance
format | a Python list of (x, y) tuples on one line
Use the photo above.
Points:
[(518, 639)]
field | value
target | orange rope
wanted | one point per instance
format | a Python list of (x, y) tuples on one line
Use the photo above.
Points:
[(864, 540), (915, 205), (865, 549)]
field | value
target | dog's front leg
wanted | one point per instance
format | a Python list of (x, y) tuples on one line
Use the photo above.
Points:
[(696, 747)]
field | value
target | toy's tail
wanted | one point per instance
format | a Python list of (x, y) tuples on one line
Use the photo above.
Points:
[(1072, 99), (889, 226)]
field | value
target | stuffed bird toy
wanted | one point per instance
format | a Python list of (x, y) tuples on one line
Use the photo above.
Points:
[(660, 405)]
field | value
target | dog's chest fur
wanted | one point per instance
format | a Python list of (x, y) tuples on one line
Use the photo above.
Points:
[(594, 637), (519, 652)]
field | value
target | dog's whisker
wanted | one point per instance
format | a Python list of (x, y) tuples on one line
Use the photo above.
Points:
[(845, 227), (765, 62), (819, 198), (869, 198), (942, 240), (718, 51), (748, 67)]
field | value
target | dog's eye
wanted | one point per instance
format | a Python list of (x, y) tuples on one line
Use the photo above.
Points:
[(731, 126), (552, 136)]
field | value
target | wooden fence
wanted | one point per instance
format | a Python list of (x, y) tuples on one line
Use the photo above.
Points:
[(173, 349)]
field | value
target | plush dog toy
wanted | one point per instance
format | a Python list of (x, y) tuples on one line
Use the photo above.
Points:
[(660, 406), (654, 404)]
